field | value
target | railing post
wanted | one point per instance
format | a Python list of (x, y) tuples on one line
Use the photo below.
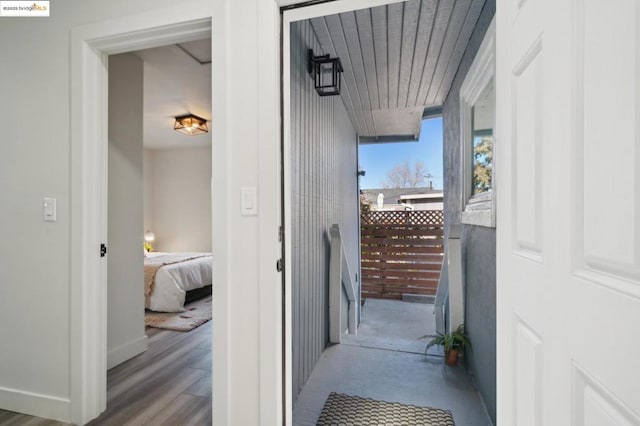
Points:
[(335, 285), (339, 278)]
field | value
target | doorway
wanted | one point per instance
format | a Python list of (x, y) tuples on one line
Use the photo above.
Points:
[(364, 94), (91, 44)]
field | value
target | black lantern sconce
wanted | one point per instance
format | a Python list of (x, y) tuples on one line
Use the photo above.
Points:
[(325, 71)]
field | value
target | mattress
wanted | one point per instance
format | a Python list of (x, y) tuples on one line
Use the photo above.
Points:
[(173, 281)]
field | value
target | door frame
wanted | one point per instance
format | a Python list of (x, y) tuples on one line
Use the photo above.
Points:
[(293, 11), (91, 45)]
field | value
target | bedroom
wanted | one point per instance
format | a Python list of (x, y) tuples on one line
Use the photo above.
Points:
[(159, 185)]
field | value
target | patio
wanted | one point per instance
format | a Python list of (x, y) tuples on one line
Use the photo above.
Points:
[(386, 361)]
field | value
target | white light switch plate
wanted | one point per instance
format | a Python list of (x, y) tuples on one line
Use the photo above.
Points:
[(49, 209), (249, 201)]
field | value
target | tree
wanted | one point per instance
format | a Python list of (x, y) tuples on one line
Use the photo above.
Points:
[(482, 164), (406, 176)]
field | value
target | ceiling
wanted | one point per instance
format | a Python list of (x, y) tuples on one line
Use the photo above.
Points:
[(398, 59), (177, 81)]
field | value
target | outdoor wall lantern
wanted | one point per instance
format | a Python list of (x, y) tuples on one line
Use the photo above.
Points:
[(325, 71), (191, 124)]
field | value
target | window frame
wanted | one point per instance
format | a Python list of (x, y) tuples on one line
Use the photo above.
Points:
[(479, 209)]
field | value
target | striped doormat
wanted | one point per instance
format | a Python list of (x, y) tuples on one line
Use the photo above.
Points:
[(348, 410)]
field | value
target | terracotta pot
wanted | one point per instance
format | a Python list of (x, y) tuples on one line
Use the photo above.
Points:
[(452, 357)]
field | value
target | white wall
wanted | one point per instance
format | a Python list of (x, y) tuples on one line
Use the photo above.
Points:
[(180, 183), (147, 185), (35, 256), (125, 305), (35, 368)]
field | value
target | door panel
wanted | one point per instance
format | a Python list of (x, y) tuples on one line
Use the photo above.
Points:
[(568, 211)]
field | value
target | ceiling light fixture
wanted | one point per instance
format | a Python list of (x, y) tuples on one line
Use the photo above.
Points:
[(325, 71), (191, 124)]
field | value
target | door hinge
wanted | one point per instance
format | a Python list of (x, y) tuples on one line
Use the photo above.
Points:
[(103, 250), (279, 265), (280, 234)]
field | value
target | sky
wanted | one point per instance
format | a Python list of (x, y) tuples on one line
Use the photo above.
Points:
[(378, 159)]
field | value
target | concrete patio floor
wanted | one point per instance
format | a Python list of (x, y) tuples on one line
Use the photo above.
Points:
[(386, 361)]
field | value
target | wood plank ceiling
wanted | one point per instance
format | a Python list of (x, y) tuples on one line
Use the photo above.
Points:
[(398, 60)]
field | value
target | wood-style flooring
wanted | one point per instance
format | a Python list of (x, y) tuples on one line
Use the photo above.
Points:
[(169, 384)]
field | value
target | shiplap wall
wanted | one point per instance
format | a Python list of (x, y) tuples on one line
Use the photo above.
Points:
[(324, 184)]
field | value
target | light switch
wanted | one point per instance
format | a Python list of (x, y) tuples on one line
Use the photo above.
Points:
[(49, 209), (249, 201)]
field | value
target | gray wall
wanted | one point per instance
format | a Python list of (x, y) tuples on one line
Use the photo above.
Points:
[(125, 303), (324, 186), (478, 243)]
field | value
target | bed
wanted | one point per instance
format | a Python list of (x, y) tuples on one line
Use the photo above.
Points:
[(172, 276)]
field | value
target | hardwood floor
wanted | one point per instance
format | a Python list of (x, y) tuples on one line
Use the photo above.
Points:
[(169, 384)]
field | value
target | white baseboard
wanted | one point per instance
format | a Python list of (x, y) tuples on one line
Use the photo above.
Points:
[(35, 404), (127, 351)]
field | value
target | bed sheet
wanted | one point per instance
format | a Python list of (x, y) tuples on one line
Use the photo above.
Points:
[(174, 280)]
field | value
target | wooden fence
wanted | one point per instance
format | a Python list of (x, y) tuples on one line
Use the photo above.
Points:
[(402, 253)]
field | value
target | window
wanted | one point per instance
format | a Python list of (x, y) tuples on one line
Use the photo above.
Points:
[(477, 129)]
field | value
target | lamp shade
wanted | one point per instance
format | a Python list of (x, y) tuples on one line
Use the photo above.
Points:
[(191, 124), (149, 236)]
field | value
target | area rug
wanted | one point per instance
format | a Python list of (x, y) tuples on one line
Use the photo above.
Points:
[(195, 314), (345, 410)]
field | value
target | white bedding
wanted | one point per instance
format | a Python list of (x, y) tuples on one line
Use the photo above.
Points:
[(174, 280)]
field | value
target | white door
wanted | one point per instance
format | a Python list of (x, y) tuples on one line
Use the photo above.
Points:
[(568, 214)]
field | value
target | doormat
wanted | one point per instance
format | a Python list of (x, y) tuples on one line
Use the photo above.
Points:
[(340, 409), (195, 314)]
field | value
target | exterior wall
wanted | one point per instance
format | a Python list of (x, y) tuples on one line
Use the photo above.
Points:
[(325, 191), (181, 199), (478, 243), (125, 305)]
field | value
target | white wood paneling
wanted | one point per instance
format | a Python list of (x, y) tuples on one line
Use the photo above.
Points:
[(367, 48), (528, 348), (323, 166), (398, 59), (379, 25), (455, 29), (527, 146), (458, 51), (567, 86), (423, 40), (614, 248), (441, 22), (407, 48), (596, 406)]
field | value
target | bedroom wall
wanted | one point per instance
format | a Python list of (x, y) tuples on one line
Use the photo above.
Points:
[(125, 303), (181, 198), (147, 190), (324, 192)]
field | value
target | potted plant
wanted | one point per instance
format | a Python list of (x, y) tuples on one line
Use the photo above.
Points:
[(453, 343)]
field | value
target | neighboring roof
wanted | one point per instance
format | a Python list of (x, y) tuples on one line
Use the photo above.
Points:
[(393, 195), (422, 195)]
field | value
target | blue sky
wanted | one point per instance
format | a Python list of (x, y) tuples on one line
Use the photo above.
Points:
[(377, 160)]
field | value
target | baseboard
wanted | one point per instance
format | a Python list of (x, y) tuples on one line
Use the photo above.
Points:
[(127, 351), (35, 404)]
